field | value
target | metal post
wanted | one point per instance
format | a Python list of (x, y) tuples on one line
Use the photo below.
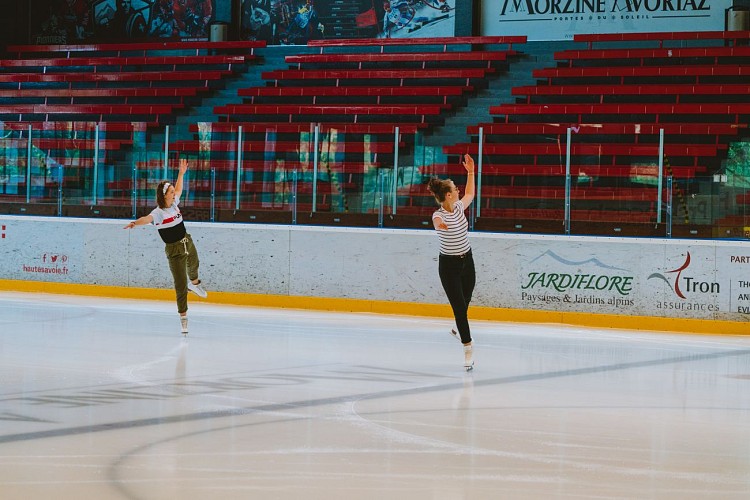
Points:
[(661, 176), (96, 164), (381, 179), (134, 194), (567, 183), (59, 189), (479, 172), (166, 152), (669, 206), (315, 168), (239, 168), (294, 196), (213, 195), (395, 173), (28, 167)]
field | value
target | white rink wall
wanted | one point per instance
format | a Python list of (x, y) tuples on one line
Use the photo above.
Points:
[(625, 276)]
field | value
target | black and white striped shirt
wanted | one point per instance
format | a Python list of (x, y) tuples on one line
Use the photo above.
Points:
[(455, 239)]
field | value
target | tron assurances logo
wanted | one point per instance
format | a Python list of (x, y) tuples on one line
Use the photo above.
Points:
[(693, 293)]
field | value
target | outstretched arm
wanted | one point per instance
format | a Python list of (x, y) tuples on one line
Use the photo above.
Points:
[(142, 221), (180, 175), (468, 164)]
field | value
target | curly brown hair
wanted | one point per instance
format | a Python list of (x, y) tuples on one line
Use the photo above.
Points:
[(439, 188)]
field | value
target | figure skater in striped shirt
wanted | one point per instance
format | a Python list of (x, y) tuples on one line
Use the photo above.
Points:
[(456, 264), (181, 253)]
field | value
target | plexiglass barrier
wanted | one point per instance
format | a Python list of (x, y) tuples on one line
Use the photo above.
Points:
[(319, 174)]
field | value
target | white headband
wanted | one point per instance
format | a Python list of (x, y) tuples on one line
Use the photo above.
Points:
[(164, 190)]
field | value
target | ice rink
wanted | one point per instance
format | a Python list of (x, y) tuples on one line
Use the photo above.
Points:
[(104, 399)]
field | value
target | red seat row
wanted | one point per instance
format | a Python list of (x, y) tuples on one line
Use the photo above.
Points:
[(522, 214), (639, 194), (607, 90), (373, 74), (133, 76), (445, 42), (488, 57), (292, 110), (572, 56), (730, 109), (94, 62), (661, 37), (101, 92), (144, 47), (274, 165), (616, 129), (696, 71), (604, 151), (277, 127), (279, 146), (103, 110), (576, 170)]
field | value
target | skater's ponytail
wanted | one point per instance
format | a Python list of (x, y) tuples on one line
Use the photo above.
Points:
[(439, 188)]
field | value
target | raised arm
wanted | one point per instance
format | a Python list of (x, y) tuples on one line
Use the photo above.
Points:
[(180, 175), (468, 164)]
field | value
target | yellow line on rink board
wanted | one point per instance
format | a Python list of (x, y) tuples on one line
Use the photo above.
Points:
[(677, 325)]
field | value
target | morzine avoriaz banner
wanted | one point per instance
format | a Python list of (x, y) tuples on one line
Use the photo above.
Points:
[(561, 19)]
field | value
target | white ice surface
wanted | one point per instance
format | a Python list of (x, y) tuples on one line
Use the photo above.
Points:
[(104, 399)]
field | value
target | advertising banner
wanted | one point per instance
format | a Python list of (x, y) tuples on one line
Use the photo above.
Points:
[(561, 19), (295, 22), (83, 21)]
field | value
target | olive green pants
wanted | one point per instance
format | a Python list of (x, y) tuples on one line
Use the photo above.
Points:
[(183, 262)]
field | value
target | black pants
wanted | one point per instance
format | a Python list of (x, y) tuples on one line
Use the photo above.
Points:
[(458, 277)]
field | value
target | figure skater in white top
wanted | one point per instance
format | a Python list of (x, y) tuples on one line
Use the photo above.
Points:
[(181, 253), (456, 263)]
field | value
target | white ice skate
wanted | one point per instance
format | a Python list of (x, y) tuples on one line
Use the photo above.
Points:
[(183, 324), (197, 289), (468, 357)]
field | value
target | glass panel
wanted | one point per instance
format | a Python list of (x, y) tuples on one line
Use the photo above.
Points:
[(262, 187), (205, 153), (13, 162), (348, 170), (275, 152), (70, 146), (358, 174), (46, 170), (614, 183), (122, 150), (419, 159), (728, 198), (147, 168), (521, 191)]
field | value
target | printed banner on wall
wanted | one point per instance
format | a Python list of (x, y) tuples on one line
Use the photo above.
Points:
[(561, 19), (678, 280), (295, 22), (79, 21)]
